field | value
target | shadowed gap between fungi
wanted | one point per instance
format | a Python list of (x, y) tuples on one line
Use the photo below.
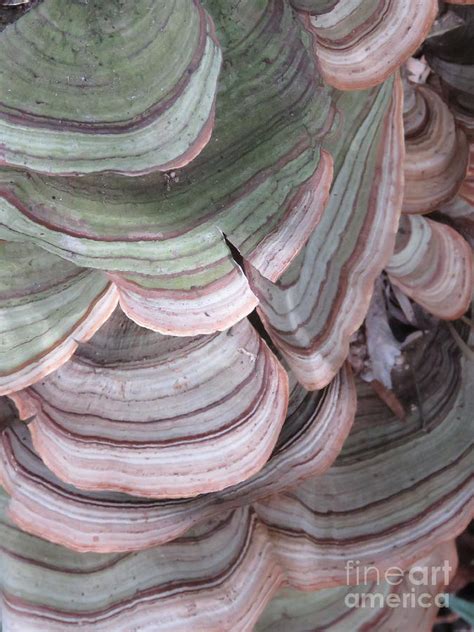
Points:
[(253, 317)]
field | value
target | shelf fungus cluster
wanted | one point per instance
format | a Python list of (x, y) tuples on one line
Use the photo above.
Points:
[(197, 199)]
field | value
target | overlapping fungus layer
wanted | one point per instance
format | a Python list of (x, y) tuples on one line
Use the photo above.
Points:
[(197, 199)]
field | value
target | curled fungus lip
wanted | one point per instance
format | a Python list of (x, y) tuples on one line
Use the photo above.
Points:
[(359, 43), (437, 151), (432, 264)]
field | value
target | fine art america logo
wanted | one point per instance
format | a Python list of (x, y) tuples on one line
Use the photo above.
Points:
[(395, 588)]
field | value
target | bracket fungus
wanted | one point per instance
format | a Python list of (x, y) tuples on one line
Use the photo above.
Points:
[(381, 503), (164, 238), (230, 232), (318, 303), (433, 264), (47, 306), (316, 426), (73, 86), (360, 43), (274, 544), (158, 416), (460, 211), (437, 151)]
